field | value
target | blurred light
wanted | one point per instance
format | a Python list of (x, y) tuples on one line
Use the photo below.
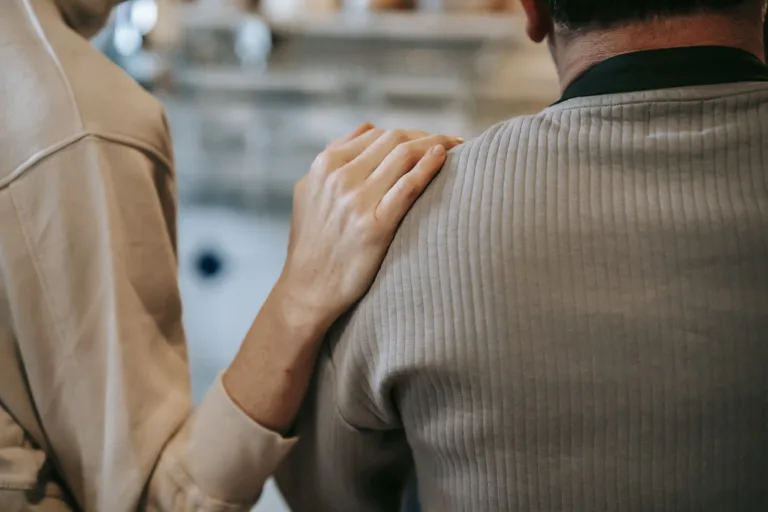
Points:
[(144, 15), (254, 41), (280, 8), (127, 40)]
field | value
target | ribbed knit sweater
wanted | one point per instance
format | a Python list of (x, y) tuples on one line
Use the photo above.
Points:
[(573, 317)]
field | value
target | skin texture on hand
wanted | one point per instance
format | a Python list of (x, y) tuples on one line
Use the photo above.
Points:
[(346, 212)]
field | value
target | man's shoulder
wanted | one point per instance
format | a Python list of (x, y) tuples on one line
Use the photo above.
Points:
[(474, 185), (449, 242), (459, 220)]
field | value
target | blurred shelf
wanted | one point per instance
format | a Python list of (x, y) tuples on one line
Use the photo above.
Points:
[(407, 26), (190, 16), (383, 90), (228, 79), (322, 85)]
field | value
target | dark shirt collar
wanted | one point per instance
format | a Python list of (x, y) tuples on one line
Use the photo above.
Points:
[(668, 68)]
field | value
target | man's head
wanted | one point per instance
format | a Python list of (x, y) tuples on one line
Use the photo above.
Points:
[(86, 16), (591, 30), (584, 14)]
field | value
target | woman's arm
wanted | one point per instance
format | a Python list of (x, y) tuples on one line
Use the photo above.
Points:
[(346, 212)]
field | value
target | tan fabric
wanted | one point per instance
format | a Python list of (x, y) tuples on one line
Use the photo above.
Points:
[(574, 317), (95, 407)]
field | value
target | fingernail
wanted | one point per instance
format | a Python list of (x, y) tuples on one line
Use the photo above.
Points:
[(460, 140), (438, 150)]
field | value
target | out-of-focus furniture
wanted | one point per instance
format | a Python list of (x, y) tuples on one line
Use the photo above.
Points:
[(256, 98)]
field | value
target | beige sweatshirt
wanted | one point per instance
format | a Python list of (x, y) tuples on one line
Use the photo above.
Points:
[(95, 406), (573, 317)]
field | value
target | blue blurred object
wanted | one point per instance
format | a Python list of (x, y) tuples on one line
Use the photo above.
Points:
[(209, 264)]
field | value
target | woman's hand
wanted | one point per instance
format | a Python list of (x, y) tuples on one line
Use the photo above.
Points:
[(346, 212)]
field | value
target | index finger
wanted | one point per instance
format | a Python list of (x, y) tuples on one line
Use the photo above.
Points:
[(403, 160), (360, 130), (365, 158)]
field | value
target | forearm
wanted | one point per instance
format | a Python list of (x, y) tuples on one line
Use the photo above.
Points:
[(359, 188), (271, 372), (228, 448)]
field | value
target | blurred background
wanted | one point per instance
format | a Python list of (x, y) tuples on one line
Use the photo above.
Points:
[(254, 90)]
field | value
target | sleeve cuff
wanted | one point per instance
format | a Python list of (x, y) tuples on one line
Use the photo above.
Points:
[(233, 455)]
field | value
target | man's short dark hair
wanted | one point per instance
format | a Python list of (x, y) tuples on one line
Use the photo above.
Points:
[(579, 14)]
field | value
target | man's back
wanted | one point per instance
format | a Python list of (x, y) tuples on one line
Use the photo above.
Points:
[(573, 317)]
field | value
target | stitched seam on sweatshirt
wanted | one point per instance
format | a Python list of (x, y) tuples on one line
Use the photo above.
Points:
[(55, 148), (59, 68)]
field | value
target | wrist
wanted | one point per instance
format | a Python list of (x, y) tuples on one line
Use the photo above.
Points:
[(270, 373), (307, 320)]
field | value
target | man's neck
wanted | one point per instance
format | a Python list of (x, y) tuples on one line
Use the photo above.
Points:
[(576, 53)]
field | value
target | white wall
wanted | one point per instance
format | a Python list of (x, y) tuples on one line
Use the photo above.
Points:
[(218, 311)]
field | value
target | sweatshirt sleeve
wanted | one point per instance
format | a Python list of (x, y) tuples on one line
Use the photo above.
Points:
[(90, 268)]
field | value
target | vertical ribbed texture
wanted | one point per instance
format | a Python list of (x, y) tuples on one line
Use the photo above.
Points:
[(574, 317)]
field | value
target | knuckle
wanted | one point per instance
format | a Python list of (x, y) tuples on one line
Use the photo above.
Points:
[(325, 161), (407, 151), (377, 132), (345, 204), (354, 203), (355, 207), (338, 182), (358, 217), (397, 136), (401, 152), (409, 189), (364, 222)]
